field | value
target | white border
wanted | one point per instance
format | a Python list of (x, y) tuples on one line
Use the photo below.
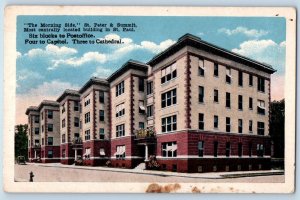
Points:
[(10, 85)]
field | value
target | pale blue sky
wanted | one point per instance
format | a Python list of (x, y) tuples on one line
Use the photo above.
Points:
[(45, 71), (226, 32)]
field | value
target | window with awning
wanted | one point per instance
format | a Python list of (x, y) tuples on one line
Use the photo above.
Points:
[(120, 153), (102, 152)]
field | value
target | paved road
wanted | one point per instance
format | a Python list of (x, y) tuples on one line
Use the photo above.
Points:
[(44, 173)]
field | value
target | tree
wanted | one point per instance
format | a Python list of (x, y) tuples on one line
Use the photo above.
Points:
[(277, 115), (21, 140)]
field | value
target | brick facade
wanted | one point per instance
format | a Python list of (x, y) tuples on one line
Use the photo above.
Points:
[(177, 80)]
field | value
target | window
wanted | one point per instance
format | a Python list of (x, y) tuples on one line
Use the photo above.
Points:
[(36, 131), (200, 148), (141, 125), (101, 134), (43, 141), (36, 119), (42, 128), (216, 96), (141, 85), (216, 121), (201, 121), (250, 126), (250, 103), (76, 136), (168, 73), (228, 124), (63, 152), (50, 114), (101, 97), (216, 69), (87, 153), (169, 124), (201, 68), (168, 98), (50, 141), (120, 153), (87, 135), (42, 114), (261, 107), (80, 124), (63, 108), (142, 109), (260, 128), (260, 84), (201, 94), (250, 149), (63, 123), (216, 148), (227, 153), (240, 102), (240, 123), (240, 149), (101, 115), (228, 75), (87, 117), (50, 127), (37, 142), (102, 151), (260, 150), (80, 108), (76, 121), (227, 99), (120, 110), (149, 87), (240, 78), (250, 80), (150, 111), (76, 106), (120, 89), (87, 102), (169, 149), (120, 130), (63, 138), (50, 153)]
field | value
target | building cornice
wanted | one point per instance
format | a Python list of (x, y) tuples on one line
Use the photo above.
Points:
[(191, 40)]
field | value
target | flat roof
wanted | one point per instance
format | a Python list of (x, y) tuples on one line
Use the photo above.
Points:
[(130, 64), (31, 108), (48, 103), (197, 42), (93, 80), (68, 92)]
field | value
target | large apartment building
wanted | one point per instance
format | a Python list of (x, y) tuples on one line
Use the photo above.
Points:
[(95, 121), (195, 106), (34, 144), (128, 113), (49, 131), (70, 140)]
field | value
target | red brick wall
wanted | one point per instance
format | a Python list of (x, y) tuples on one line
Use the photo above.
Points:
[(69, 153), (56, 154), (187, 145), (132, 149), (182, 142), (95, 146), (222, 138)]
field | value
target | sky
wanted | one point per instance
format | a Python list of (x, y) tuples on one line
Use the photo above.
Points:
[(44, 71)]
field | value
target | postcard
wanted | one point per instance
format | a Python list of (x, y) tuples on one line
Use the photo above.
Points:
[(149, 99)]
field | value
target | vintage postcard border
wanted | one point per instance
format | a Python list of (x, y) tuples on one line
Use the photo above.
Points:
[(11, 14)]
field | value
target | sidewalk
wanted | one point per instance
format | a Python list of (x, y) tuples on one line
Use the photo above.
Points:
[(212, 175)]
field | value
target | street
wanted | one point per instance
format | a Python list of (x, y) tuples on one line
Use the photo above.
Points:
[(65, 173)]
